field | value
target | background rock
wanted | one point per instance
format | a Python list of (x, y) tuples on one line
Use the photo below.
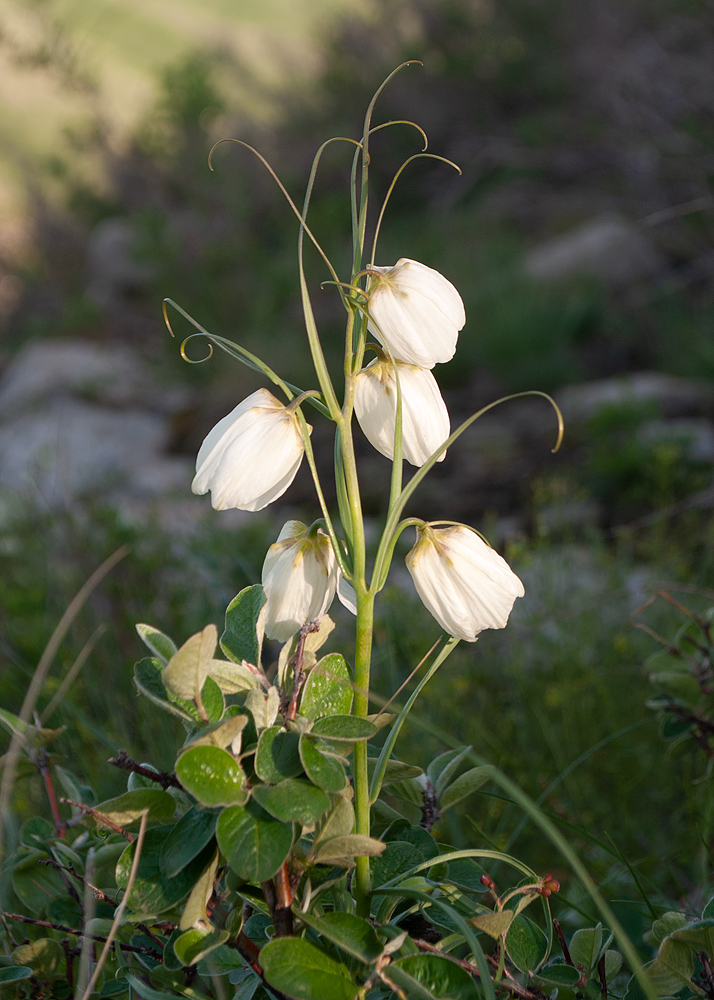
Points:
[(608, 249)]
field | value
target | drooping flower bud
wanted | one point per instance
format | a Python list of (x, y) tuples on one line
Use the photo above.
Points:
[(425, 419), (251, 456), (461, 580), (299, 577), (418, 311)]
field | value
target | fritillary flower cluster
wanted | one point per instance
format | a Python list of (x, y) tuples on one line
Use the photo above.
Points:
[(251, 457)]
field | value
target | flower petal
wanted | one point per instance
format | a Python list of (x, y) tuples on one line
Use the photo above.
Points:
[(465, 584)]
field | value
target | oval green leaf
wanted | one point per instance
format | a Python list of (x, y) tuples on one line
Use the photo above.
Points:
[(343, 850), (243, 635), (432, 977), (301, 970), (213, 776), (187, 839), (293, 801), (323, 771), (44, 956), (526, 944), (353, 934), (14, 973), (254, 843), (36, 885), (159, 644), (559, 974), (328, 688), (148, 675), (463, 786), (153, 892), (348, 728), (194, 944), (278, 755)]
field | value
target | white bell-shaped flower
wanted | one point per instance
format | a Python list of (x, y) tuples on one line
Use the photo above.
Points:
[(417, 313), (461, 580), (299, 577), (425, 419), (251, 456)]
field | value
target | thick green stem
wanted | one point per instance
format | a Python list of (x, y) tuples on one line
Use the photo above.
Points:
[(363, 655), (363, 642)]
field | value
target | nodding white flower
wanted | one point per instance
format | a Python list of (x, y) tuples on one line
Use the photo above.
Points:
[(425, 419), (299, 577), (251, 456), (418, 312), (462, 581)]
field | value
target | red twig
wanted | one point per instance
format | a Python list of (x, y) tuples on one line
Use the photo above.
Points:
[(100, 818)]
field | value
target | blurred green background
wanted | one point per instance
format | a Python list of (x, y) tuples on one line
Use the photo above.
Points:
[(580, 237)]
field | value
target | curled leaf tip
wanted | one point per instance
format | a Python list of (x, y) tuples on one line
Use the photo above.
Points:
[(165, 312), (195, 361), (561, 424)]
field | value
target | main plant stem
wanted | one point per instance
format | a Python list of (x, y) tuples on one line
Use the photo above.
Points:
[(363, 655), (363, 643)]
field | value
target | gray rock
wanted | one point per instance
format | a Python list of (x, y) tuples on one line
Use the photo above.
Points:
[(675, 397), (111, 373), (695, 435), (114, 271), (607, 248), (72, 447)]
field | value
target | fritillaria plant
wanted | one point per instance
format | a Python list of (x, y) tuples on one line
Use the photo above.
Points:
[(251, 456)]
